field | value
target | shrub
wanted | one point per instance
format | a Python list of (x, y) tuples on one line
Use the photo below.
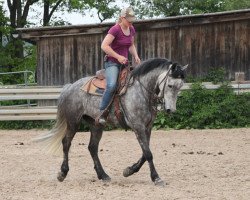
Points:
[(214, 75), (26, 124), (43, 124), (201, 108)]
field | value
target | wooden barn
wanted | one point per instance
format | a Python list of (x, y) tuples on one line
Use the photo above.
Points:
[(68, 53)]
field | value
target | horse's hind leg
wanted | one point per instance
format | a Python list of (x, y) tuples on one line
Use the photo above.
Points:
[(96, 135), (66, 145)]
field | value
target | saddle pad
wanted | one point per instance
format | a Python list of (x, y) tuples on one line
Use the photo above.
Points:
[(90, 88), (100, 83)]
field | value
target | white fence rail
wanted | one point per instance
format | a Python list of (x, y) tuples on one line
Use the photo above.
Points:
[(237, 87), (11, 113), (28, 112), (31, 93)]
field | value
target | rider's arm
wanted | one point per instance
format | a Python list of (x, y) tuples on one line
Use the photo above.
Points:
[(108, 50), (133, 52)]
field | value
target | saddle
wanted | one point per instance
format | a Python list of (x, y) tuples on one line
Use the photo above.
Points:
[(97, 85)]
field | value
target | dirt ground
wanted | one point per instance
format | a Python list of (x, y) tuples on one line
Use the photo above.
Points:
[(195, 164)]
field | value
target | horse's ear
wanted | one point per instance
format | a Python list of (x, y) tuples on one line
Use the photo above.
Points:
[(184, 67), (173, 66)]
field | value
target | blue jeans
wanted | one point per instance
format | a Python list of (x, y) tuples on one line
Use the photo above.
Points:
[(111, 72)]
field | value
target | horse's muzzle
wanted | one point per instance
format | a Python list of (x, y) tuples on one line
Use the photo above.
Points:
[(168, 111)]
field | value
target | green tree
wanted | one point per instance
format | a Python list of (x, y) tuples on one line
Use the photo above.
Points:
[(12, 53), (5, 49), (11, 57), (150, 8), (236, 4), (106, 9), (205, 6)]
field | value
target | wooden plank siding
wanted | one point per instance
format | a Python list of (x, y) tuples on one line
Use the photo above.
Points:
[(67, 59), (66, 54)]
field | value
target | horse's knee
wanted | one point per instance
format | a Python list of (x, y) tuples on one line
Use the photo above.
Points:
[(148, 155), (92, 148)]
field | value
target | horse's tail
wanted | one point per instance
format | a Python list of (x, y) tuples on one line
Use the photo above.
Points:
[(52, 141)]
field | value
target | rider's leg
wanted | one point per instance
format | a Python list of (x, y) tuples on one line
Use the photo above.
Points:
[(111, 73)]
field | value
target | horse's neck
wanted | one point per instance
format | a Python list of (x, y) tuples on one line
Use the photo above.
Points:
[(149, 81)]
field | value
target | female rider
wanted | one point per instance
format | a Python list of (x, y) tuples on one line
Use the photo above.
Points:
[(117, 44)]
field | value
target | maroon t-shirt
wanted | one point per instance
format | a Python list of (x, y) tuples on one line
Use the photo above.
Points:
[(121, 42)]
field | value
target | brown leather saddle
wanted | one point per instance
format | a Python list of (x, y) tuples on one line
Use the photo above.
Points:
[(97, 84)]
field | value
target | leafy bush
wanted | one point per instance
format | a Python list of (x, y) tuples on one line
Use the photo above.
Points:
[(201, 108), (26, 124), (28, 63), (214, 75), (43, 124)]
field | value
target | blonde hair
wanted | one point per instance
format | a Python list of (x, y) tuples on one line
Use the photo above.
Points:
[(126, 12), (119, 20)]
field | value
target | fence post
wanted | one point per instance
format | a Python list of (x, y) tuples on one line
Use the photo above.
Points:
[(239, 77)]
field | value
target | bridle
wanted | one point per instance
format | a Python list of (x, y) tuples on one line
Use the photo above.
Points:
[(157, 98), (164, 81)]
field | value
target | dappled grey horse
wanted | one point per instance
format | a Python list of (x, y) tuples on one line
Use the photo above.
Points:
[(152, 80)]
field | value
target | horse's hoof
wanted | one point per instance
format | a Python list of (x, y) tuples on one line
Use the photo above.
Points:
[(106, 179), (159, 182), (127, 172), (60, 176)]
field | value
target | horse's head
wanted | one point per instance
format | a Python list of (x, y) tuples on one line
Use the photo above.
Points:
[(170, 83)]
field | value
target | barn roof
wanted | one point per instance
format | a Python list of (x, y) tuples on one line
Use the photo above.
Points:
[(36, 33)]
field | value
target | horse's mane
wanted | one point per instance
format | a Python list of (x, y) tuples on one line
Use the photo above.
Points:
[(150, 65)]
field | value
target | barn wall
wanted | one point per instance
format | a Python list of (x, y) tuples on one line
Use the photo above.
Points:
[(202, 41), (66, 59), (203, 46)]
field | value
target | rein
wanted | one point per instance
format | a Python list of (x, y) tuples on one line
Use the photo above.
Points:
[(165, 79), (157, 98)]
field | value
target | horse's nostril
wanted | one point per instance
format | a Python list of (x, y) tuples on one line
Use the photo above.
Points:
[(168, 111)]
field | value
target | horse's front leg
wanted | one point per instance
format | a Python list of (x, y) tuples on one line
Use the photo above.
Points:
[(137, 166), (134, 168), (141, 135)]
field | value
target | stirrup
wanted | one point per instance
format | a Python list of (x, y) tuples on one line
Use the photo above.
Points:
[(101, 119)]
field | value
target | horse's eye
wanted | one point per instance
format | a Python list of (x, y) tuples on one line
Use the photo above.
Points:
[(170, 86)]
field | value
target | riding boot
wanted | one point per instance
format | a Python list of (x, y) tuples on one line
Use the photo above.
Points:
[(101, 118)]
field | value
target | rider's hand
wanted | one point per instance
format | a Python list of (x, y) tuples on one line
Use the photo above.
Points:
[(137, 60), (122, 60)]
